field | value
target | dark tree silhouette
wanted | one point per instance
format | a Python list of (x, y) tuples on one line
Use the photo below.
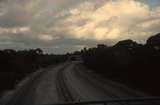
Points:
[(128, 62)]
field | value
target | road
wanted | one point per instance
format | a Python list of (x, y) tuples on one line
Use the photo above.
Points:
[(67, 82)]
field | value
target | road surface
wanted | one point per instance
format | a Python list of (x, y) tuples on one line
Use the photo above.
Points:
[(67, 82)]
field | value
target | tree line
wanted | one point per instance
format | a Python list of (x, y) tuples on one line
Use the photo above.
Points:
[(136, 65)]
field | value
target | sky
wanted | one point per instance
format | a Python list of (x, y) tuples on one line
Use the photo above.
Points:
[(60, 26)]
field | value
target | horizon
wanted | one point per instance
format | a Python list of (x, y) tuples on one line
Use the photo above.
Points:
[(79, 50)]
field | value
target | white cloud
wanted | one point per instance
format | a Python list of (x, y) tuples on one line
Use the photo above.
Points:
[(15, 30), (47, 37), (114, 19)]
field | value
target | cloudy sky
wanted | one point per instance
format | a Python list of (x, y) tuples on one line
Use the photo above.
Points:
[(62, 26)]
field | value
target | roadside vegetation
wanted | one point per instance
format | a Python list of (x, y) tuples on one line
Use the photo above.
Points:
[(128, 62), (15, 65)]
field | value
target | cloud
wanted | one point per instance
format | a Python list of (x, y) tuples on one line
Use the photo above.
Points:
[(67, 25), (115, 19)]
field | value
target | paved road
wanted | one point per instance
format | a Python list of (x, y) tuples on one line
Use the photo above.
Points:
[(67, 82)]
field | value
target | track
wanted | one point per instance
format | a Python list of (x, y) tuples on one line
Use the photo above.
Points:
[(63, 91), (68, 84), (92, 82), (95, 83), (19, 98), (75, 75)]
